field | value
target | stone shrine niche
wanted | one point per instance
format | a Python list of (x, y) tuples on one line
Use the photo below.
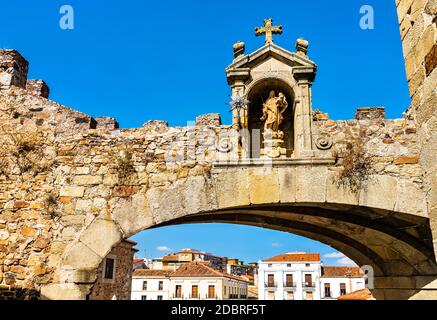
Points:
[(279, 81), (258, 97)]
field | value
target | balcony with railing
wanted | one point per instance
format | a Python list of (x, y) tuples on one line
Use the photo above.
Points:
[(269, 285), (309, 285), (289, 285)]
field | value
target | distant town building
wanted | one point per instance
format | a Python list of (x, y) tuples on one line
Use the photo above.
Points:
[(237, 267), (290, 276), (175, 260), (114, 278), (339, 281), (301, 276), (150, 284), (139, 263), (191, 281)]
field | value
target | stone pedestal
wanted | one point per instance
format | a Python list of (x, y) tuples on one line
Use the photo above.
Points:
[(273, 145)]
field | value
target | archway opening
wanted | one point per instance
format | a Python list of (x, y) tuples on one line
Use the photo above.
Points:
[(257, 96), (246, 252)]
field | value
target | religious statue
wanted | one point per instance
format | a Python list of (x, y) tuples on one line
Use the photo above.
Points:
[(273, 109)]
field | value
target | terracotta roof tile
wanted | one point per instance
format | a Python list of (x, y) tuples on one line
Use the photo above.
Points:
[(363, 294), (172, 257), (201, 269), (295, 257), (150, 273), (340, 272)]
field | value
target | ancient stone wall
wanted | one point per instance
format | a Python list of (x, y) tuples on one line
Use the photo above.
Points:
[(417, 19), (67, 178)]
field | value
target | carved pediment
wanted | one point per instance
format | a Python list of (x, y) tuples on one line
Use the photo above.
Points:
[(269, 58)]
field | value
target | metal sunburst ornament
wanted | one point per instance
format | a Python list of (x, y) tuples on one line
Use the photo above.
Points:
[(238, 102)]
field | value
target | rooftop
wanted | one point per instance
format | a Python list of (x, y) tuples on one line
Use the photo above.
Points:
[(341, 272), (295, 257), (201, 269), (151, 273), (363, 294)]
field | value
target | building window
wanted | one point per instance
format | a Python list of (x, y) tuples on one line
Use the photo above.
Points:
[(342, 289), (271, 295), (307, 265), (144, 285), (143, 297), (308, 295), (178, 291), (109, 268), (161, 285), (270, 265), (195, 292), (289, 265), (289, 281), (327, 290), (308, 280), (159, 297), (211, 292), (271, 280)]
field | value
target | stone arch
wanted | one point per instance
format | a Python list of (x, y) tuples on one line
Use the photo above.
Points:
[(257, 92), (304, 201)]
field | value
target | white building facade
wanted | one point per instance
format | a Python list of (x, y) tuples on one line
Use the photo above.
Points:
[(191, 281), (339, 281), (150, 285), (294, 276), (301, 276)]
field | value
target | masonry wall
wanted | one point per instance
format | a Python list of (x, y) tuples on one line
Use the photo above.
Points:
[(118, 288), (418, 24)]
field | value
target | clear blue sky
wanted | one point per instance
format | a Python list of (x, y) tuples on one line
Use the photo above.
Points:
[(139, 60)]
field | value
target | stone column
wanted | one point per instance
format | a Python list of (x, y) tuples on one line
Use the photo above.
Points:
[(418, 25), (303, 111)]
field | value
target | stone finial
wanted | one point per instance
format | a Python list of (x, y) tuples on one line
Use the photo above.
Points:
[(13, 69), (38, 88), (211, 119), (239, 48), (370, 113), (302, 46)]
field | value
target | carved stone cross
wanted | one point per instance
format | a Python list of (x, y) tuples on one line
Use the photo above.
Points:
[(269, 30)]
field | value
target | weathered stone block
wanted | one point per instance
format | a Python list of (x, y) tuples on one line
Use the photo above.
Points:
[(337, 193), (287, 184), (64, 291), (406, 160), (81, 257), (132, 215), (431, 60), (381, 192), (92, 238), (87, 180), (263, 185), (72, 191), (311, 183), (232, 188)]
